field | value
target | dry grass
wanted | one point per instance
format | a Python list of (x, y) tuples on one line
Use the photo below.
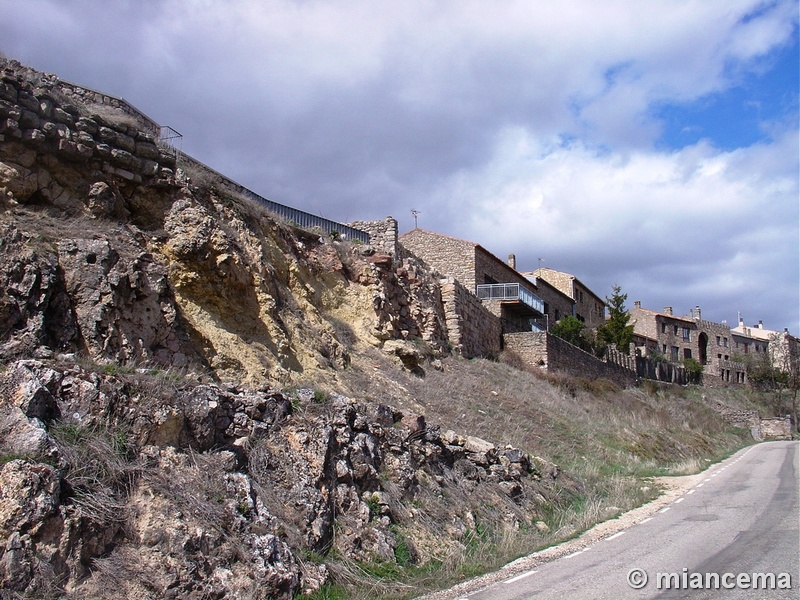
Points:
[(99, 470), (608, 442)]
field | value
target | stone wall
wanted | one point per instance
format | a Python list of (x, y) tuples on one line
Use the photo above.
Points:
[(551, 352), (777, 428), (489, 267), (382, 234), (774, 428), (657, 370), (42, 119), (473, 331)]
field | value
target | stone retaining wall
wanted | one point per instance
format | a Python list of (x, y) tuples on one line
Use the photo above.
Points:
[(473, 331), (777, 428), (542, 349)]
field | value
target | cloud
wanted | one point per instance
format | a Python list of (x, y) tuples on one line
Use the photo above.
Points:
[(698, 221)]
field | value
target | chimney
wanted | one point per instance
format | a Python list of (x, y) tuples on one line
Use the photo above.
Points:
[(760, 324), (697, 313), (637, 304), (667, 310), (512, 261)]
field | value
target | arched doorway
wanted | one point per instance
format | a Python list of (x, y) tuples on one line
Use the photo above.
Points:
[(702, 347)]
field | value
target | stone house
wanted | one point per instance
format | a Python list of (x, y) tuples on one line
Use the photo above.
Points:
[(674, 338), (557, 304), (506, 293), (780, 347), (589, 308)]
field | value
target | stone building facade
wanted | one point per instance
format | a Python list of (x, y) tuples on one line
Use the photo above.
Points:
[(673, 338), (782, 349), (557, 304), (589, 308), (473, 266)]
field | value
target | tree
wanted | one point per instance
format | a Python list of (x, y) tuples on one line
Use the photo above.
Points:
[(616, 329), (571, 330)]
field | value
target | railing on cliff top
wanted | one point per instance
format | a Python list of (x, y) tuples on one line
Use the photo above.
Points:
[(509, 291), (298, 218)]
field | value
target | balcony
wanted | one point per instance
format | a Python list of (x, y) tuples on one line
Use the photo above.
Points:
[(512, 293)]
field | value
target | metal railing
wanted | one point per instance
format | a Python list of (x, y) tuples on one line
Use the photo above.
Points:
[(509, 291), (294, 216)]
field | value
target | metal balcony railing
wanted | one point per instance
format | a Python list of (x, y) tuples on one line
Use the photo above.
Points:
[(510, 291)]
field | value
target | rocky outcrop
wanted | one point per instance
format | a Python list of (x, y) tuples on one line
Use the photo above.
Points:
[(178, 489), (110, 249)]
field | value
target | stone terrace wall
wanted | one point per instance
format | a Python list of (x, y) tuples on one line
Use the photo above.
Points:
[(472, 330), (382, 234), (553, 353), (775, 428)]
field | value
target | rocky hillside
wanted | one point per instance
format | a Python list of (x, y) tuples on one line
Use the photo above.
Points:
[(130, 289), (198, 400)]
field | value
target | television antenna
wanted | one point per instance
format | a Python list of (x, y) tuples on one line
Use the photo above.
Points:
[(415, 213)]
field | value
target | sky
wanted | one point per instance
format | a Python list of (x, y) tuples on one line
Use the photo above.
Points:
[(649, 144)]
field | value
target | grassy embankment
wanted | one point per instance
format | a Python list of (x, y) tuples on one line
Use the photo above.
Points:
[(609, 443)]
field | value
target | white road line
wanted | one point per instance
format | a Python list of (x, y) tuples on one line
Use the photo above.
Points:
[(518, 577), (679, 500), (665, 509), (692, 491), (699, 485), (645, 520), (616, 535)]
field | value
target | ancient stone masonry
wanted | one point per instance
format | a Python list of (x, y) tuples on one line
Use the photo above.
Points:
[(472, 329), (382, 234), (41, 118)]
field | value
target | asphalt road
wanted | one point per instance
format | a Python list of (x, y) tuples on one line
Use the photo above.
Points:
[(742, 518)]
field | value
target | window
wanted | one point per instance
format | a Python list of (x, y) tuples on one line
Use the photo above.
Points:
[(663, 328), (719, 341), (674, 353), (686, 333), (675, 329), (725, 342), (687, 353)]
